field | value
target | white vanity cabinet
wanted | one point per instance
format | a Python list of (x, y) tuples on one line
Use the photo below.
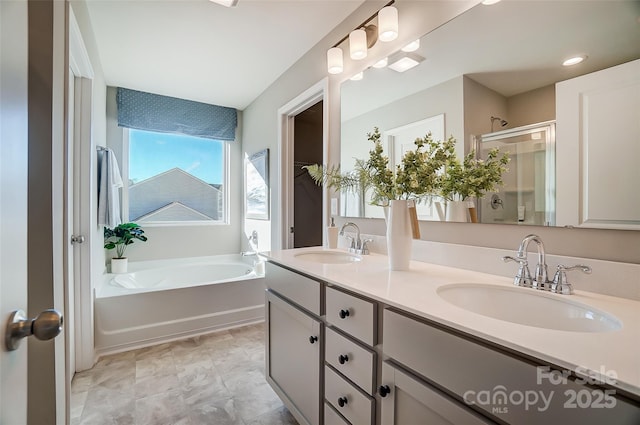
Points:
[(336, 357), (501, 385), (294, 343)]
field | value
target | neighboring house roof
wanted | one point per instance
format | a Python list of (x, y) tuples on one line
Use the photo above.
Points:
[(175, 211), (174, 186)]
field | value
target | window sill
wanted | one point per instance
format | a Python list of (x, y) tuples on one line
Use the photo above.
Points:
[(183, 223)]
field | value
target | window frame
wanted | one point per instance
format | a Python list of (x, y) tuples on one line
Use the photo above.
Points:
[(226, 197)]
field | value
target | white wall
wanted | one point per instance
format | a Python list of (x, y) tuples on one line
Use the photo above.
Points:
[(416, 18), (184, 240), (261, 125)]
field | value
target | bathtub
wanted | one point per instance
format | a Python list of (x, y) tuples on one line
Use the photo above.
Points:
[(164, 300)]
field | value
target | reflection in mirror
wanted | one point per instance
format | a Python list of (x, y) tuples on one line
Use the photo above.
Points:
[(490, 75)]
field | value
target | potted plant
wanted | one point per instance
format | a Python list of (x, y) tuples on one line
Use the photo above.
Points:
[(472, 177), (119, 238), (415, 179)]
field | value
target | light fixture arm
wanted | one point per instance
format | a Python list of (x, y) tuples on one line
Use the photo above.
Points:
[(364, 26)]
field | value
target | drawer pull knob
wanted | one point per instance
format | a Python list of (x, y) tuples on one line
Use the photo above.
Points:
[(313, 339), (384, 390), (342, 401), (343, 358), (343, 314)]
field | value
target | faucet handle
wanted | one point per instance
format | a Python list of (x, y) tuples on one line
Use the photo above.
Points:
[(560, 283), (523, 277), (364, 249)]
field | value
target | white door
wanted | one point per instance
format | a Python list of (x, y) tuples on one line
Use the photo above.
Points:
[(32, 376), (13, 202)]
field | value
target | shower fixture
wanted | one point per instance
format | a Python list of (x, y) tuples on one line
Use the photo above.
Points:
[(502, 122)]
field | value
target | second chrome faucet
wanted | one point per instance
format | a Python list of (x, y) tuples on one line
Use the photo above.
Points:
[(541, 280)]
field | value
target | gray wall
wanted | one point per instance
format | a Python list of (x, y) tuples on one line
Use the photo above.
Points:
[(416, 18)]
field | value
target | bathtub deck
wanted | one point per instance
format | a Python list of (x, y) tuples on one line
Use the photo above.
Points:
[(216, 378)]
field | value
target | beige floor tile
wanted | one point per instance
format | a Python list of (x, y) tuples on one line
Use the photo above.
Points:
[(213, 379)]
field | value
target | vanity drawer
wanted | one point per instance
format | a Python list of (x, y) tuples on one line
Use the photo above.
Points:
[(352, 360), (351, 314), (472, 370), (357, 406), (331, 417), (298, 288)]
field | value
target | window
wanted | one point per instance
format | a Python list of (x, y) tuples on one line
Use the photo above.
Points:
[(176, 178)]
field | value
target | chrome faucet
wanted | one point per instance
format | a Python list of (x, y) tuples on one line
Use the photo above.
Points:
[(541, 281), (357, 245)]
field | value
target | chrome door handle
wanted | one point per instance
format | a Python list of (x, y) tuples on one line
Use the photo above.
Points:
[(77, 239), (46, 325)]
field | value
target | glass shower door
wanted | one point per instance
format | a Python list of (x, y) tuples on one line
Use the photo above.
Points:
[(528, 194)]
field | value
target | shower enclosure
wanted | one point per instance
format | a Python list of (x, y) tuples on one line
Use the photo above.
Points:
[(528, 194)]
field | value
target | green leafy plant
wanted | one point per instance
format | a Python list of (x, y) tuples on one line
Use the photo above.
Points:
[(473, 177), (415, 177), (121, 236)]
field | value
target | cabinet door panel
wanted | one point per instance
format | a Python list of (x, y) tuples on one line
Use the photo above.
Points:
[(411, 401), (298, 288), (474, 371), (293, 359)]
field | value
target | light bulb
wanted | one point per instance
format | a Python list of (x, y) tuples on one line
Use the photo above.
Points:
[(411, 47), (358, 44), (334, 60), (388, 23), (381, 63)]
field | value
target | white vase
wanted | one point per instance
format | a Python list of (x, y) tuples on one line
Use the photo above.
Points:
[(399, 238), (119, 265), (457, 211)]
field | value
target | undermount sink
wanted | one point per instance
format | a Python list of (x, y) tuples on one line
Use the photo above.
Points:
[(528, 307), (328, 257)]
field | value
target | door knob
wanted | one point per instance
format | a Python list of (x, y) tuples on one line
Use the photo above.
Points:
[(46, 325), (77, 239)]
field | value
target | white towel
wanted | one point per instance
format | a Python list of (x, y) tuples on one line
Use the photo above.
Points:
[(109, 181)]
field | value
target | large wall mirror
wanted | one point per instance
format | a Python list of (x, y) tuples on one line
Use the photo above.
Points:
[(488, 78)]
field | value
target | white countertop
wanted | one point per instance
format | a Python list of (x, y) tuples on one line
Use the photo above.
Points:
[(586, 353)]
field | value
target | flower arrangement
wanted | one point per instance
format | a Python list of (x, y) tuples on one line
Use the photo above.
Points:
[(473, 177), (416, 177)]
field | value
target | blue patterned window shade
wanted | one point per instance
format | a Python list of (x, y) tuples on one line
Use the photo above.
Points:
[(153, 112)]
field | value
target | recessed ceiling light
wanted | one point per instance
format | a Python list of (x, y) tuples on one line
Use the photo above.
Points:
[(227, 3), (411, 47), (381, 63), (574, 60), (406, 62), (359, 76), (489, 2)]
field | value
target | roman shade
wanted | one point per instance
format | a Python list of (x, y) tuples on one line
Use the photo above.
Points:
[(154, 112)]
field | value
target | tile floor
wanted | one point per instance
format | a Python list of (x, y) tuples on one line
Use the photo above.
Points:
[(213, 379)]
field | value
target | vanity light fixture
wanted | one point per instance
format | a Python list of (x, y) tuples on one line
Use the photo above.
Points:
[(388, 23), (357, 77), (363, 37), (406, 62), (412, 47), (574, 60), (334, 60), (227, 3), (381, 63), (358, 44)]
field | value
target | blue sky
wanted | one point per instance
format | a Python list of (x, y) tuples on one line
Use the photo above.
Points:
[(154, 153)]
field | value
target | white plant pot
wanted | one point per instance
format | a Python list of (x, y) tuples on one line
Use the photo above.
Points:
[(119, 265), (399, 237), (457, 211)]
